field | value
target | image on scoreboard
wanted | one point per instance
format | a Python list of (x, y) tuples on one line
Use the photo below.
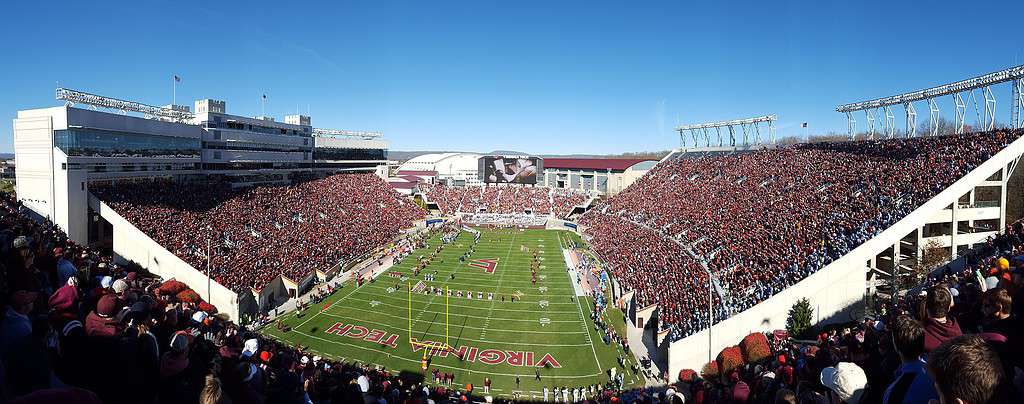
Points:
[(510, 169)]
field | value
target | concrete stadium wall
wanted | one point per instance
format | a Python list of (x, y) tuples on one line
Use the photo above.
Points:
[(131, 244), (836, 290)]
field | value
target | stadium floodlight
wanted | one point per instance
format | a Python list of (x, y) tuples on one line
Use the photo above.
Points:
[(152, 112), (956, 89), (355, 134), (750, 127)]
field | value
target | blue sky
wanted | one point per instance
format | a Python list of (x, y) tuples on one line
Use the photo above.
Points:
[(540, 77)]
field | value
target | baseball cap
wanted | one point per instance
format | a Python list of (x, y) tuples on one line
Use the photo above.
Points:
[(107, 306), (250, 347), (199, 316), (847, 380), (119, 286)]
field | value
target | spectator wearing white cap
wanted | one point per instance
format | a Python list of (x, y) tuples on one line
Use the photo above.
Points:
[(845, 382)]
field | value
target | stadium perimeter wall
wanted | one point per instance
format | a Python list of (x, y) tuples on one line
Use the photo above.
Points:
[(836, 292), (132, 245)]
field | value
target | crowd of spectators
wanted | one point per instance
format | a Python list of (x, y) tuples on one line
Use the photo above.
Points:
[(257, 234), (537, 200), (756, 220), (955, 339)]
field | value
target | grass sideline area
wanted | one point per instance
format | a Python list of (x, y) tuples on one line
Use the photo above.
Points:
[(546, 329)]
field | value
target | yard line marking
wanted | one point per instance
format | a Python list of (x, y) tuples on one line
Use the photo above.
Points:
[(501, 277), (354, 288), (466, 326), (549, 303)]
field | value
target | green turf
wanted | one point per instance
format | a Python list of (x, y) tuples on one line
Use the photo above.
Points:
[(569, 337)]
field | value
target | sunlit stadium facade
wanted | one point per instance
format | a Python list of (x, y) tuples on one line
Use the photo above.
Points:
[(66, 149)]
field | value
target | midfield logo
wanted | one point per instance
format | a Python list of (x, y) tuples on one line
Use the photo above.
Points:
[(488, 265)]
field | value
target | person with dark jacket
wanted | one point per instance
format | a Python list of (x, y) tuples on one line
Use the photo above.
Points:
[(912, 384), (938, 328)]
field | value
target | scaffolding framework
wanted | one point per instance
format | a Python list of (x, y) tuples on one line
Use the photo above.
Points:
[(98, 101), (749, 127), (984, 83), (352, 134)]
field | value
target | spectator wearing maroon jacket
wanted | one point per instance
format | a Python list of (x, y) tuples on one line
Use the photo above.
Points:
[(938, 327), (100, 322)]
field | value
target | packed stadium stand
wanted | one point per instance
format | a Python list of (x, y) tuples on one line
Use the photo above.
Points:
[(756, 222), (261, 233), (473, 199)]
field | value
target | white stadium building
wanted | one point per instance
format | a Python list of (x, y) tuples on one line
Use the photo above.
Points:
[(453, 169)]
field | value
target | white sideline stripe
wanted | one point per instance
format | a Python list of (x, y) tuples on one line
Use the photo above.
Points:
[(417, 362), (468, 339), (583, 319)]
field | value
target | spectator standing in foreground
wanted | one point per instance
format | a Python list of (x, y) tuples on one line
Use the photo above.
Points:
[(938, 328), (912, 384), (967, 370)]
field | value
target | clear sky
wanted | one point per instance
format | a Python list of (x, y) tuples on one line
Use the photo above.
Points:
[(541, 77)]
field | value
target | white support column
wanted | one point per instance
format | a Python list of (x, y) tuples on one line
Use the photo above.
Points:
[(870, 113), (895, 267), (961, 112), (890, 122), (851, 125), (771, 131), (1004, 182), (953, 228), (911, 119), (1018, 103), (933, 118), (990, 108), (920, 243)]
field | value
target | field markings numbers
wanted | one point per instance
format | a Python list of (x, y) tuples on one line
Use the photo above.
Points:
[(487, 322)]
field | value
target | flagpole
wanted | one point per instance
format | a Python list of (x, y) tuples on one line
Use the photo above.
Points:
[(174, 91)]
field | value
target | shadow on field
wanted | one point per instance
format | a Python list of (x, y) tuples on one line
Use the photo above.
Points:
[(462, 328), (423, 336)]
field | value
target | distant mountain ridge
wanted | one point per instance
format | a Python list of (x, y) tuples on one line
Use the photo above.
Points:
[(656, 155)]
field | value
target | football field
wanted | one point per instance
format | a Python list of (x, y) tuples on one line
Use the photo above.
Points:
[(546, 330)]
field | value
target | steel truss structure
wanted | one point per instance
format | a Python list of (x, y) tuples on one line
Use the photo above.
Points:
[(353, 134), (750, 127), (152, 112), (1014, 75)]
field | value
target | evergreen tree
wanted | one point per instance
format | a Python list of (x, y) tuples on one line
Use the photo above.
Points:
[(799, 321)]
